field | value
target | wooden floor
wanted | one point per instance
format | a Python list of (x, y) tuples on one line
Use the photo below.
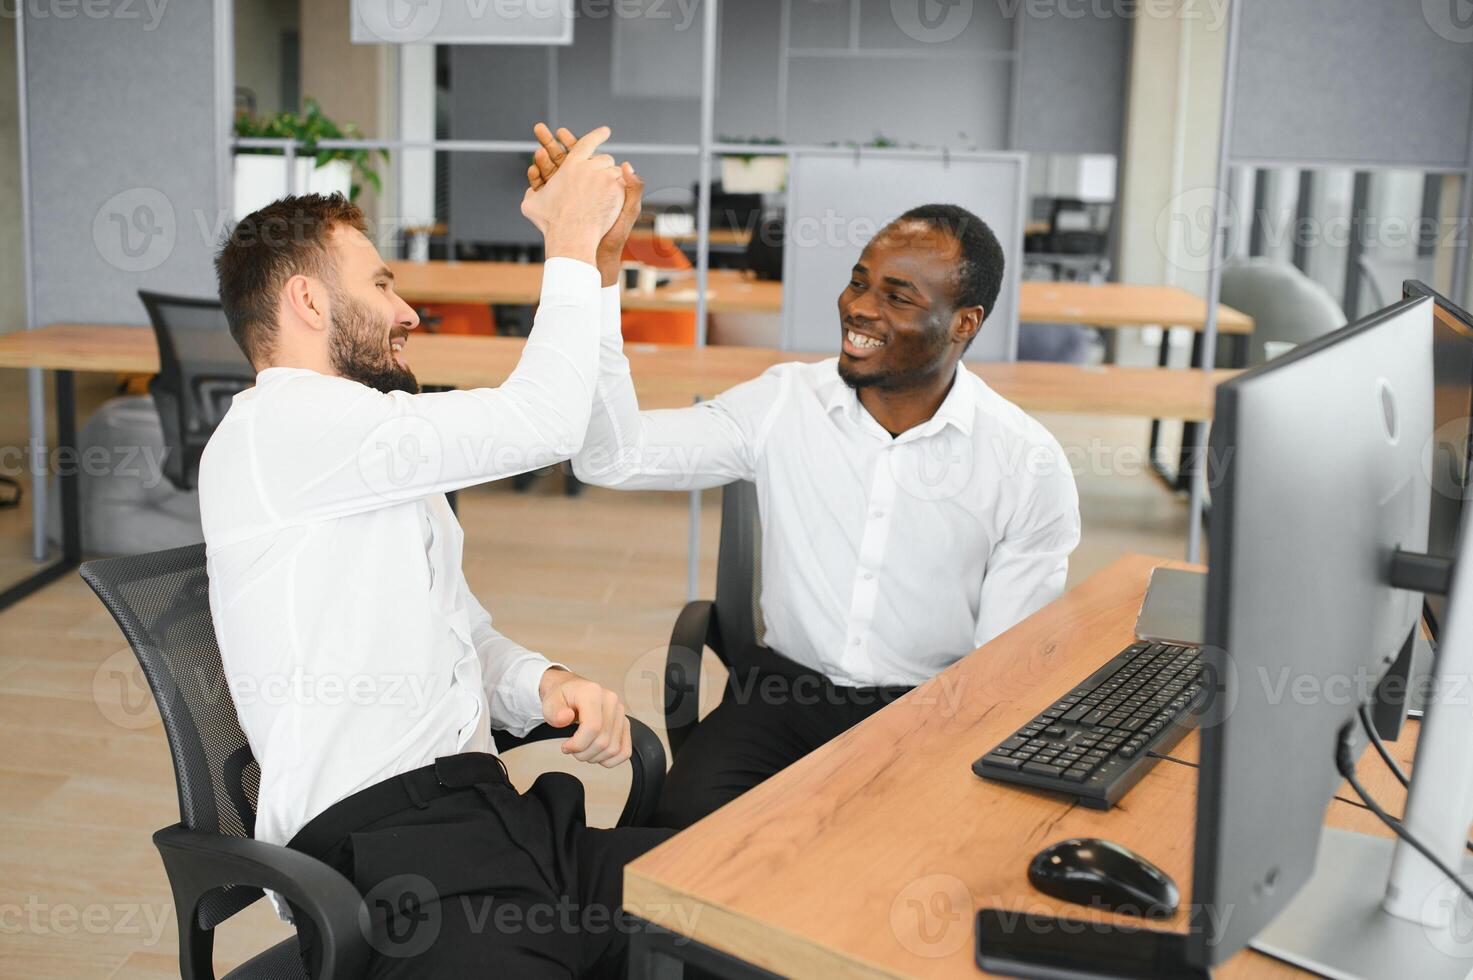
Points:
[(595, 581)]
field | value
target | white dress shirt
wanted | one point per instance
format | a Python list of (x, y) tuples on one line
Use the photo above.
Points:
[(352, 646), (884, 559)]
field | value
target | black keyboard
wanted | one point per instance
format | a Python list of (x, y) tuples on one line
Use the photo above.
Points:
[(1095, 742)]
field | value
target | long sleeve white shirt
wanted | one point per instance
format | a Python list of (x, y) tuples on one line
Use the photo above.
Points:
[(353, 648), (884, 559)]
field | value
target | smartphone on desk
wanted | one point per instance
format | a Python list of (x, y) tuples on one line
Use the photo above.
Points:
[(1018, 944)]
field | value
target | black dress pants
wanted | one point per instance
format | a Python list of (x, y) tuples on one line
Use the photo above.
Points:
[(465, 877), (769, 717)]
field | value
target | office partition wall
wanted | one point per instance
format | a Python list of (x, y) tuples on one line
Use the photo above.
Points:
[(1381, 86), (124, 121), (838, 199)]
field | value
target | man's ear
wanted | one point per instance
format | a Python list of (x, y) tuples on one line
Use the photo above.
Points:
[(966, 323), (306, 299)]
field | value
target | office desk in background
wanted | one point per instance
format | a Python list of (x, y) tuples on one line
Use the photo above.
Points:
[(869, 857), (1106, 305), (664, 377)]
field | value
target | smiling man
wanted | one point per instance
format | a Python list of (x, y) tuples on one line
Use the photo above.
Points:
[(366, 675), (909, 512)]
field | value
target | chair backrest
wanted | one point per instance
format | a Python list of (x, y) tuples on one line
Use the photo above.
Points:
[(1286, 305), (161, 601), (200, 369), (739, 576)]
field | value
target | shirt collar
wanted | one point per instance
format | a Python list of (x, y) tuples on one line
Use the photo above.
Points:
[(958, 408)]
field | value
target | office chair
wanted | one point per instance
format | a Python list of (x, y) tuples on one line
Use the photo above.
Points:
[(1286, 305), (200, 370), (731, 625), (161, 602)]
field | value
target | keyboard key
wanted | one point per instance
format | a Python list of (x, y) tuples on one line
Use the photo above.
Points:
[(1014, 743), (1043, 769), (1053, 730), (1003, 762), (1077, 712), (1076, 775)]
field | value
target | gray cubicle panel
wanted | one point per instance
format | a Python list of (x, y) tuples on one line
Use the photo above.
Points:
[(1379, 84), (462, 22), (838, 199), (125, 126)]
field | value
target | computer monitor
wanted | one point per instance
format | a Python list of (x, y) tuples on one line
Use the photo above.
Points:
[(1316, 459), (1452, 411)]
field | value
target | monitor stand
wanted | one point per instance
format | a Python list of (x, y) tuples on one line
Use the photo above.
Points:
[(1421, 674), (1336, 925)]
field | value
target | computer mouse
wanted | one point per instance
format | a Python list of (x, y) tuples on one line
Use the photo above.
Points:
[(1090, 871)]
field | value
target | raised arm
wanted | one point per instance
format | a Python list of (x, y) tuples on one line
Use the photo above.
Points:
[(337, 447), (675, 449)]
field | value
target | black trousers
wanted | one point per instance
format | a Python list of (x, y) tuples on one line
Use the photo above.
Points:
[(769, 717), (465, 877)]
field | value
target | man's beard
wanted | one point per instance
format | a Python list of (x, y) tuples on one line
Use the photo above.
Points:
[(360, 352)]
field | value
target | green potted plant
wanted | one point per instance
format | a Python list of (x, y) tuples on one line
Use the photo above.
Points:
[(753, 173), (260, 174)]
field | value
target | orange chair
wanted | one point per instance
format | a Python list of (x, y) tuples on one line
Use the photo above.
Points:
[(657, 326)]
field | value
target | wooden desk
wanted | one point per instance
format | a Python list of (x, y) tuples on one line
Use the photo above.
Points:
[(1108, 305), (665, 377), (869, 857)]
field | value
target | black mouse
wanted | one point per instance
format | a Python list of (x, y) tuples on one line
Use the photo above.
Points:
[(1090, 871)]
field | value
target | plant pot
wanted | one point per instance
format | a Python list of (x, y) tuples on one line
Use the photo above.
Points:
[(754, 175), (260, 178)]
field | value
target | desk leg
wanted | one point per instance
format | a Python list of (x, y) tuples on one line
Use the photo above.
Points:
[(1153, 448), (71, 505)]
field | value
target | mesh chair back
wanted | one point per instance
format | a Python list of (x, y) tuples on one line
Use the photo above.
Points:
[(161, 601), (200, 369), (739, 576)]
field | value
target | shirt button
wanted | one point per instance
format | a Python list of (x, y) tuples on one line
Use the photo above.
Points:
[(868, 576), (877, 513), (854, 642)]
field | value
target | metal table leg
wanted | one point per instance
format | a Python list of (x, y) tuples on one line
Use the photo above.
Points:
[(71, 505)]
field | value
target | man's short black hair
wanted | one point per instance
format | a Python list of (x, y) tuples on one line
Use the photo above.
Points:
[(979, 278)]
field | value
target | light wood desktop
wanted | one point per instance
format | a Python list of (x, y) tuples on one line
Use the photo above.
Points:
[(869, 857), (665, 377), (1106, 305)]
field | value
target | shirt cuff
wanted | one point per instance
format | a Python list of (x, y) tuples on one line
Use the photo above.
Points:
[(563, 277), (522, 685), (610, 313)]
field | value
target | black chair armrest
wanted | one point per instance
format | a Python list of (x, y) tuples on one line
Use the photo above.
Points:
[(647, 764), (198, 863), (695, 629)]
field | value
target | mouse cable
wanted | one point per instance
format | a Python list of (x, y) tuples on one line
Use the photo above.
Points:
[(1171, 758), (1345, 762), (1385, 754)]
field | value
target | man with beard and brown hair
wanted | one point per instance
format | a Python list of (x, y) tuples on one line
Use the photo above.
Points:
[(366, 675)]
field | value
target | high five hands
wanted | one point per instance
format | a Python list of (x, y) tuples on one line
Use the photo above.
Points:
[(553, 157)]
